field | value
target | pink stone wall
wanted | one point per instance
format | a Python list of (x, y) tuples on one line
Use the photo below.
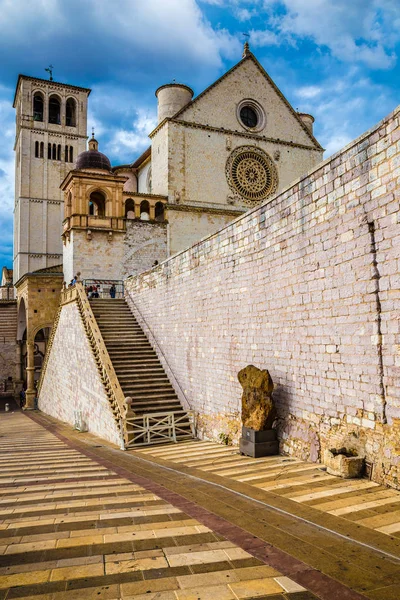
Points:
[(308, 286)]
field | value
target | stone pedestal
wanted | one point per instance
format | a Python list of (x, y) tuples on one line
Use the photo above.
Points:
[(258, 443)]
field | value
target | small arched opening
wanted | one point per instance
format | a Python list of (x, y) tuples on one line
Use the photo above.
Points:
[(54, 110), (144, 211), (97, 204), (70, 112), (38, 106), (129, 209), (40, 346), (159, 212)]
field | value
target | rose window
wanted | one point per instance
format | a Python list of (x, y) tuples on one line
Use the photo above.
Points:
[(251, 174)]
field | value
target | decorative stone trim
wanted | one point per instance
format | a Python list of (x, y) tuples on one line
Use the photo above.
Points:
[(248, 135), (204, 209)]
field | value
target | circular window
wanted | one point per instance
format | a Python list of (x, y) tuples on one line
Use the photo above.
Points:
[(250, 115), (251, 174)]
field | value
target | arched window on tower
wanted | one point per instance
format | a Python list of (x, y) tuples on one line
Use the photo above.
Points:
[(97, 204), (71, 154), (70, 113), (54, 153), (144, 211), (37, 149), (66, 154), (159, 212), (41, 149), (54, 110), (129, 209), (49, 150), (59, 152), (38, 107)]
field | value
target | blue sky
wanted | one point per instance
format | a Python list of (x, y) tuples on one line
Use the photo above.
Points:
[(337, 59)]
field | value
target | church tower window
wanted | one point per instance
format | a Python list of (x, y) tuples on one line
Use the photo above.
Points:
[(38, 107), (70, 113), (37, 149), (54, 110)]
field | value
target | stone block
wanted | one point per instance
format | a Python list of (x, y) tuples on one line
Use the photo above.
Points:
[(347, 467)]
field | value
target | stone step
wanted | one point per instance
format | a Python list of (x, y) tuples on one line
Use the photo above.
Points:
[(135, 362)]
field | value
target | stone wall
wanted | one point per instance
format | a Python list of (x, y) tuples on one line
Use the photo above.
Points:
[(8, 344), (308, 286), (72, 382), (144, 243)]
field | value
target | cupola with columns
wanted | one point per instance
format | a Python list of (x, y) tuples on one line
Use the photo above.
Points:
[(94, 219)]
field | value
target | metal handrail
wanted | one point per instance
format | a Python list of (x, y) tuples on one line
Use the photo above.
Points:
[(127, 294)]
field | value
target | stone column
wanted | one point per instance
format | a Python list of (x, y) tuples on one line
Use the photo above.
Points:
[(152, 212), (137, 210), (30, 377)]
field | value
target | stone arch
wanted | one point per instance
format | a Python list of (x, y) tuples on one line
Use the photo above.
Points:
[(54, 114), (159, 212), (70, 112), (97, 203), (38, 106), (22, 320), (144, 210), (129, 208)]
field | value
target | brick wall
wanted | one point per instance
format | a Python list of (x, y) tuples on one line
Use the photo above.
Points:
[(308, 286), (72, 382)]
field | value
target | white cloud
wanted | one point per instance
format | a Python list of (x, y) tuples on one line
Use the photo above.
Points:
[(359, 30), (260, 37), (308, 91), (131, 142)]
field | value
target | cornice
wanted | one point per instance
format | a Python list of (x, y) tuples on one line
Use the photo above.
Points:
[(206, 209), (143, 195), (49, 84)]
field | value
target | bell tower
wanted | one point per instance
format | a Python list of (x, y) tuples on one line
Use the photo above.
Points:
[(51, 130)]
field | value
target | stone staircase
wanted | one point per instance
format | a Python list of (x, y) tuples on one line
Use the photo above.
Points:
[(8, 321), (139, 371)]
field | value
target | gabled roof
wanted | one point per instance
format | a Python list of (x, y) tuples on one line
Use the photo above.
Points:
[(250, 56)]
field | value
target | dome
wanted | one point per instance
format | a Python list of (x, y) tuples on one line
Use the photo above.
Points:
[(92, 158)]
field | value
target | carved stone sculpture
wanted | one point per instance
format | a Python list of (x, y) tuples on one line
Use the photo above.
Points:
[(258, 411)]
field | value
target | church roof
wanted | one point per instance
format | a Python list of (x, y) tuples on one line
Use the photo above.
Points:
[(54, 269), (248, 56)]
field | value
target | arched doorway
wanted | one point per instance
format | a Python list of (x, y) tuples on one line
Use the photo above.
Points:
[(40, 346)]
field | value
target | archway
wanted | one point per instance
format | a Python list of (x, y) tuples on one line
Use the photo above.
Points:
[(145, 210), (97, 204), (159, 212), (38, 106), (129, 209), (70, 113), (54, 110)]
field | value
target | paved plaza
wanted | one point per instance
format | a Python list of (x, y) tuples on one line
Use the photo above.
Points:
[(193, 521)]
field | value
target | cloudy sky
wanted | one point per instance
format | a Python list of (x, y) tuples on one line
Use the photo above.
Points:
[(337, 59)]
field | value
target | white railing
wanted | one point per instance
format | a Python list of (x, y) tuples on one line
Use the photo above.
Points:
[(155, 428)]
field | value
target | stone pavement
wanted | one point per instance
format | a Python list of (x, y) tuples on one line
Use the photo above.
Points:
[(359, 500), (80, 519)]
